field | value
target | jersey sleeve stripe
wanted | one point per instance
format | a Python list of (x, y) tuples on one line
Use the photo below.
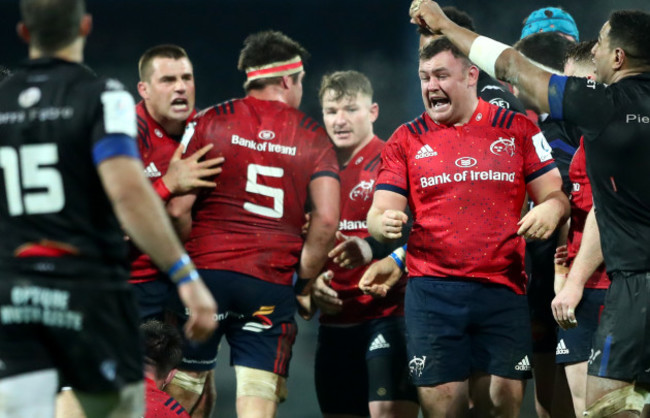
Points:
[(510, 119), (231, 107), (305, 121), (503, 118), (373, 163), (391, 188), (325, 174), (559, 144), (114, 146), (423, 123), (410, 128), (496, 117), (539, 172), (556, 86)]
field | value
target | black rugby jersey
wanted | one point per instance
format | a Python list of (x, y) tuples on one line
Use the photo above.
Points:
[(492, 91), (57, 121), (615, 122)]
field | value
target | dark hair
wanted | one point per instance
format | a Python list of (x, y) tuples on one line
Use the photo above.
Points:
[(457, 16), (4, 72), (580, 52), (52, 24), (159, 51), (345, 84), (439, 45), (630, 31), (546, 48), (264, 48), (162, 346)]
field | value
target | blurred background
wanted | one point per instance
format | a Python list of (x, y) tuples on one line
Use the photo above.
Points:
[(374, 37)]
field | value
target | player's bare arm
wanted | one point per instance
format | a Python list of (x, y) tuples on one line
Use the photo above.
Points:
[(179, 210), (589, 257), (551, 207), (560, 258), (142, 215), (324, 193), (386, 216), (497, 59), (187, 174)]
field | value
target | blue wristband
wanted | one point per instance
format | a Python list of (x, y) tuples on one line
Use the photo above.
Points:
[(183, 271), (193, 275), (398, 260)]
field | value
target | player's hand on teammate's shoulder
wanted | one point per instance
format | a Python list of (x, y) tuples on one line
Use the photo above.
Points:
[(324, 296), (187, 174), (380, 277), (351, 252), (392, 222), (202, 307)]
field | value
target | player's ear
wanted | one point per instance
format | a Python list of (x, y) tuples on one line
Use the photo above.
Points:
[(86, 25), (374, 112), (23, 32), (143, 90)]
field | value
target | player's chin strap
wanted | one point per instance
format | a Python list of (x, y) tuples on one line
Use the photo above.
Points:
[(628, 398)]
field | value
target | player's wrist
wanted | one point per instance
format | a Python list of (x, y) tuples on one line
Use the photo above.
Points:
[(183, 271), (300, 287), (162, 190), (484, 52), (399, 256)]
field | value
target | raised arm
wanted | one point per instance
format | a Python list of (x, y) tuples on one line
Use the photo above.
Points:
[(497, 59)]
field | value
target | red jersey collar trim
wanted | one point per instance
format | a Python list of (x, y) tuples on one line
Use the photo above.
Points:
[(142, 111), (479, 117)]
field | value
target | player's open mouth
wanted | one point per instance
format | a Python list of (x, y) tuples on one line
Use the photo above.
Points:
[(342, 133), (439, 103), (180, 104)]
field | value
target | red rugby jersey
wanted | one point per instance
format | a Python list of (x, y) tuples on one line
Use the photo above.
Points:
[(159, 404), (465, 186), (357, 185), (250, 223), (156, 149), (581, 203)]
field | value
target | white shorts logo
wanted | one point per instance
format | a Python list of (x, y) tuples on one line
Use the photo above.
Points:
[(416, 365)]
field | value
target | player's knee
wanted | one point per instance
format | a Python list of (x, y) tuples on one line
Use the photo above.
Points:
[(190, 381), (261, 384), (627, 398)]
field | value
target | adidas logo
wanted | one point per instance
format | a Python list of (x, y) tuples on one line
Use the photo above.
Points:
[(152, 171), (378, 342), (561, 348), (523, 365), (424, 152)]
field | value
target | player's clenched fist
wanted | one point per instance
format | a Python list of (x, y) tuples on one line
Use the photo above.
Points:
[(392, 222)]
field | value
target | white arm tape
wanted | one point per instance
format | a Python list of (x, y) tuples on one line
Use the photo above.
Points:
[(484, 53)]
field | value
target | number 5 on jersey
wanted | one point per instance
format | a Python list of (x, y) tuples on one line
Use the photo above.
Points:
[(252, 186)]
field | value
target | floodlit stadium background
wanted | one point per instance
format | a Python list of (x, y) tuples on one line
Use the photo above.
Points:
[(374, 37)]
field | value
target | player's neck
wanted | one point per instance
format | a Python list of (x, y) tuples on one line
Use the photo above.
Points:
[(345, 155), (73, 52), (170, 126), (272, 93)]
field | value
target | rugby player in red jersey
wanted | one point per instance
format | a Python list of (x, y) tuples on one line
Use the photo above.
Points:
[(372, 378), (168, 94), (463, 168), (246, 233)]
